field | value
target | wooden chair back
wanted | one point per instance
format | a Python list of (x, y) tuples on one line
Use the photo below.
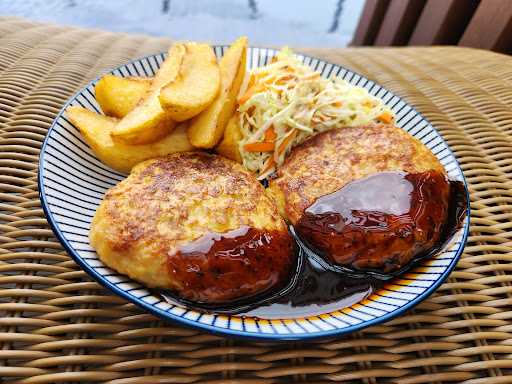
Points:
[(483, 24)]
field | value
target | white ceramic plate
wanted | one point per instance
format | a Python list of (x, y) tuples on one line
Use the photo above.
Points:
[(72, 182)]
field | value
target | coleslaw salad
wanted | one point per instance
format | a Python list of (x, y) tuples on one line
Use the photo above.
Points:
[(286, 102)]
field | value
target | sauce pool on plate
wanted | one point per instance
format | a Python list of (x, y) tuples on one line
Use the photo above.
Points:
[(387, 202)]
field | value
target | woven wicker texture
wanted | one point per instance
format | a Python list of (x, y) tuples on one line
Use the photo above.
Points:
[(57, 325)]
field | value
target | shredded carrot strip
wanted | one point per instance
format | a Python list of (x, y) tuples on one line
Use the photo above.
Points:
[(284, 79), (259, 147), (286, 141), (250, 92), (337, 104), (386, 117), (250, 83), (268, 164), (268, 80), (252, 80), (270, 134)]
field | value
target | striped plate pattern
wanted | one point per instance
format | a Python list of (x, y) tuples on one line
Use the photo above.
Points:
[(72, 182)]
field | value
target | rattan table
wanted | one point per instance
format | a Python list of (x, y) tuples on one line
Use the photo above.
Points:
[(57, 325)]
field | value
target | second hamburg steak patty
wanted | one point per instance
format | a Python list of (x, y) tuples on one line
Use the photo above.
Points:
[(197, 224), (331, 160)]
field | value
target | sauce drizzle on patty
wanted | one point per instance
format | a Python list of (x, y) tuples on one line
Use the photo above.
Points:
[(380, 222), (317, 286), (219, 266)]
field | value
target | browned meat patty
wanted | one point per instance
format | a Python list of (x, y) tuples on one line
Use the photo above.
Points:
[(198, 224), (341, 191)]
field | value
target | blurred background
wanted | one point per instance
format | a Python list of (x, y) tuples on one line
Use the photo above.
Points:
[(313, 23)]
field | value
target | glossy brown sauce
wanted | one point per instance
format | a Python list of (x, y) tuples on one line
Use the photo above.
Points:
[(380, 222), (315, 290), (219, 267), (317, 286)]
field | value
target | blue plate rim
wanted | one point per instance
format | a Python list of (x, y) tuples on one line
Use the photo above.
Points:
[(227, 331)]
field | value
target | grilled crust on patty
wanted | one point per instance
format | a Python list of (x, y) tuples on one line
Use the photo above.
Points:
[(328, 161), (169, 202)]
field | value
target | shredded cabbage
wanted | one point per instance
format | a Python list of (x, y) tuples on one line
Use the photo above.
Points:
[(286, 102)]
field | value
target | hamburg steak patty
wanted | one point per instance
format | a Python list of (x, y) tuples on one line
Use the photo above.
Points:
[(197, 224), (361, 225)]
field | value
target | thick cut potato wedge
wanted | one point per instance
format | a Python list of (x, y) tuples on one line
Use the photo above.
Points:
[(206, 129), (148, 122), (228, 147), (117, 96), (195, 87), (122, 157)]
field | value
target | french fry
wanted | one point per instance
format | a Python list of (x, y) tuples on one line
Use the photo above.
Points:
[(117, 96), (228, 147), (195, 87), (148, 121), (122, 157), (206, 129)]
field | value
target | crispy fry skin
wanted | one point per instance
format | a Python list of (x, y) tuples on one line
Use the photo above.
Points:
[(148, 122), (196, 85), (228, 147), (117, 96), (206, 129), (122, 157)]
